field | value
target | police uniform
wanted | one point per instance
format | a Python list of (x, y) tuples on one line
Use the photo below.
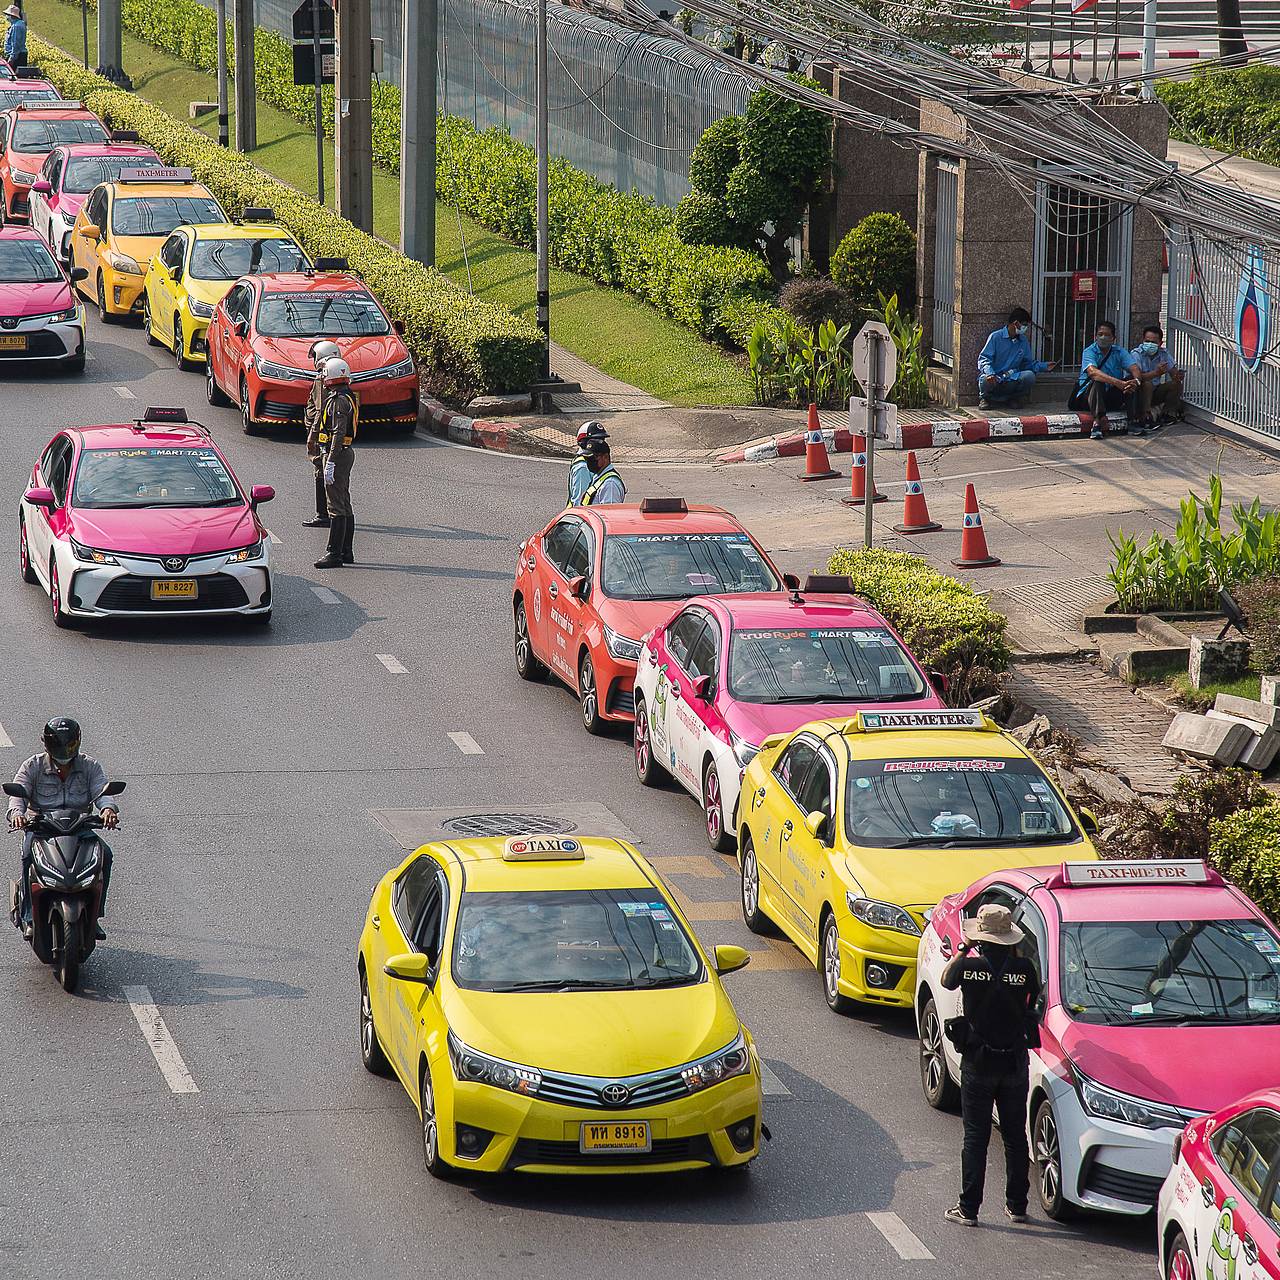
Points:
[(600, 490), (579, 480), (311, 418), (339, 421)]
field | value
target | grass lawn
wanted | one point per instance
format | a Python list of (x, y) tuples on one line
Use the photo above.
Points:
[(1247, 686), (605, 327)]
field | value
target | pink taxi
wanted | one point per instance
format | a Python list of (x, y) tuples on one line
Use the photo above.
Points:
[(1161, 1003), (141, 520), (40, 318), (726, 672)]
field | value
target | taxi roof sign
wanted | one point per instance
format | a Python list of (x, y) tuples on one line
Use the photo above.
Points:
[(1126, 871), (543, 849), (880, 721), (157, 174)]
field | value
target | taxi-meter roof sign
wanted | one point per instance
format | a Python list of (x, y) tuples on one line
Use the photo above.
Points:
[(874, 721), (156, 175), (542, 849), (1164, 871)]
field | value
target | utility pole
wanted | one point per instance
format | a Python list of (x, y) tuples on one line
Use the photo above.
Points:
[(1148, 50), (221, 17), (353, 105), (84, 30), (246, 78), (1231, 41), (874, 389), (418, 70), (319, 83), (544, 274), (110, 45)]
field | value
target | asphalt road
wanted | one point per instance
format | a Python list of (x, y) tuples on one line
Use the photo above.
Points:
[(256, 761)]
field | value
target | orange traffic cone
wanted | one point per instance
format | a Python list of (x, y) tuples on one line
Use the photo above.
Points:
[(817, 466), (915, 511), (858, 488), (973, 542)]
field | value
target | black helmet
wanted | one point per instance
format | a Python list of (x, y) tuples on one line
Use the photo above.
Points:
[(592, 437), (62, 739)]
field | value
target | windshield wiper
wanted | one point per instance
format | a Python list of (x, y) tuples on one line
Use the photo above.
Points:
[(566, 984), (676, 980)]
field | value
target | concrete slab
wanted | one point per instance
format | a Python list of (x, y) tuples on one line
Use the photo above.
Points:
[(1220, 742), (1261, 752), (1248, 709)]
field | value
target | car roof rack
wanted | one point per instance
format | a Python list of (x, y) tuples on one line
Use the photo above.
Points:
[(257, 213), (663, 506), (125, 135), (831, 584)]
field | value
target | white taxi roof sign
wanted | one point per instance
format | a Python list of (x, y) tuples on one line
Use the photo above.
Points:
[(543, 849), (156, 174), (879, 721), (1126, 871)]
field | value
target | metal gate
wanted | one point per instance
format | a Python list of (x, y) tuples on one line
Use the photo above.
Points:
[(1223, 329), (944, 264), (1079, 233)]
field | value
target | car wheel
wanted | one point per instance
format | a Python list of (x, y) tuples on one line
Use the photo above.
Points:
[(713, 811), (755, 919), (836, 1002), (940, 1090), (24, 552), (247, 423), (375, 1061), (431, 1159), (60, 618), (589, 696), (147, 330), (1046, 1151), (74, 364), (1180, 1267), (212, 392), (104, 314), (179, 355), (527, 666), (642, 742)]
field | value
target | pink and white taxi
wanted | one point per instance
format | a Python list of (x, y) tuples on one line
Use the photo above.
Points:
[(142, 520), (1161, 1003), (41, 320), (726, 672)]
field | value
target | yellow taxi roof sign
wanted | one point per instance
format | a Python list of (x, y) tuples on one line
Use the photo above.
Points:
[(542, 849), (881, 721)]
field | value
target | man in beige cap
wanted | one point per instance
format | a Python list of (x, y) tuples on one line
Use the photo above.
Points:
[(1000, 990)]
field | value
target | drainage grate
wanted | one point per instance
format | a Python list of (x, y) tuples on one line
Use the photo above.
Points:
[(1065, 601), (507, 824)]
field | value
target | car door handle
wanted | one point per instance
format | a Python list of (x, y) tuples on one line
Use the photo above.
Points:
[(553, 591), (946, 949), (376, 921), (787, 829)]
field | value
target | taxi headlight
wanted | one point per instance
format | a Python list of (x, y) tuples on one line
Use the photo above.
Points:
[(197, 308), (245, 553), (733, 1060), (63, 317), (403, 369), (882, 915), (281, 372), (1109, 1104), (122, 262), (21, 178), (470, 1064), (743, 751), (621, 646), (90, 554)]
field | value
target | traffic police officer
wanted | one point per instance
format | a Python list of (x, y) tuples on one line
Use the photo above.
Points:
[(579, 470), (320, 352), (339, 420), (606, 484)]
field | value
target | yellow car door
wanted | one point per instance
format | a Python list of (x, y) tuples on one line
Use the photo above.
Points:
[(780, 822), (807, 839)]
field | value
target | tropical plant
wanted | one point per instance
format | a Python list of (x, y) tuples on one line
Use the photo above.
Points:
[(911, 390), (800, 364)]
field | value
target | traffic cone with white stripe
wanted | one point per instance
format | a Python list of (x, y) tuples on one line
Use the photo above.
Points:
[(973, 541), (915, 511), (858, 486), (817, 466)]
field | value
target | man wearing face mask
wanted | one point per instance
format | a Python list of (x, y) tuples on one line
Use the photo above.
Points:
[(1108, 381), (1007, 367), (1159, 380)]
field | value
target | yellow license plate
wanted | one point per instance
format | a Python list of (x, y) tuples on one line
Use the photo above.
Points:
[(173, 589), (13, 342), (630, 1135)]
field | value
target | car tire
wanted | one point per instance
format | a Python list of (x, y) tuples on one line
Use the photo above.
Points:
[(940, 1091), (103, 314), (752, 916), (74, 364), (25, 567), (371, 1054), (247, 424), (713, 824), (147, 330), (1179, 1264), (589, 696), (212, 392), (647, 769), (1046, 1155), (179, 356), (527, 665), (60, 617), (431, 1158), (829, 963)]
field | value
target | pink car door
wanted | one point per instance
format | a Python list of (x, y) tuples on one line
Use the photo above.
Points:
[(1240, 1221)]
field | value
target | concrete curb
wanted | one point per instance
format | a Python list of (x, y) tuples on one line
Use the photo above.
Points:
[(503, 437)]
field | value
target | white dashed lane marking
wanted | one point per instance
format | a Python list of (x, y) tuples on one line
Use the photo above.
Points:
[(770, 1085), (392, 664), (466, 744), (124, 393), (906, 1244), (163, 1048), (5, 740), (274, 538), (325, 596)]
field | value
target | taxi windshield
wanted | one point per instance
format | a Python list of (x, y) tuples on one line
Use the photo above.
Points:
[(345, 314), (158, 215), (675, 566), (27, 262), (85, 172), (231, 259), (1171, 972), (31, 136), (951, 802), (821, 664), (133, 478), (571, 940)]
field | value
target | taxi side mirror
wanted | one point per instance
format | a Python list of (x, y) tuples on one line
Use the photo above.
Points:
[(579, 588), (240, 328), (816, 825), (702, 688), (40, 496), (78, 274), (729, 959), (91, 232), (791, 582), (261, 493), (411, 967), (398, 326), (940, 682), (1088, 822), (41, 187)]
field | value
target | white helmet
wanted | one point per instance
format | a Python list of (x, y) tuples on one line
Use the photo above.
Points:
[(323, 351), (336, 370)]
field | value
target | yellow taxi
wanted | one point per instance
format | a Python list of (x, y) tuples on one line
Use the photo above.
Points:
[(549, 1010), (196, 266), (851, 830), (121, 225)]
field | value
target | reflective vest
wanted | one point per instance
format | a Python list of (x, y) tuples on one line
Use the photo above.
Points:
[(573, 472), (594, 487), (324, 433)]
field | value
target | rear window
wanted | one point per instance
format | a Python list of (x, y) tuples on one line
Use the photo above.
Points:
[(675, 566), (158, 215), (34, 136)]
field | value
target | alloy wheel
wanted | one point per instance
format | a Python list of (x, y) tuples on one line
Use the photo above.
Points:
[(831, 962), (711, 806), (1048, 1157), (366, 1020), (933, 1067), (750, 883), (430, 1133), (1180, 1264), (24, 553), (587, 693)]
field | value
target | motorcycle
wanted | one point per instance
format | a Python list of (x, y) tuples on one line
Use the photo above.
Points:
[(67, 859)]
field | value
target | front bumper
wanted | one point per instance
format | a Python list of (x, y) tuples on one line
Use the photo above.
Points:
[(874, 967), (195, 337), (17, 208), (123, 291), (45, 341), (124, 590), (381, 400), (616, 684)]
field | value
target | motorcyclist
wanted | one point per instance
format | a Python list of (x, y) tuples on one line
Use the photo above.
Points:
[(59, 777)]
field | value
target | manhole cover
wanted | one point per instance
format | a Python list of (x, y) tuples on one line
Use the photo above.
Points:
[(507, 824)]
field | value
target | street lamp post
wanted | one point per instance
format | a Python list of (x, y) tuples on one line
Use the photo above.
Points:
[(221, 12), (544, 274)]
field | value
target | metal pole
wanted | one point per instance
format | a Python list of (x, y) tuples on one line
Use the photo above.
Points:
[(221, 12), (318, 58), (544, 274), (1149, 50), (873, 390), (246, 76), (1053, 13), (354, 124), (1117, 41), (418, 71), (84, 26), (1093, 79), (1026, 52)]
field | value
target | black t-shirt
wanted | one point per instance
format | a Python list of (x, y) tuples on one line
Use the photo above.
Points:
[(999, 998)]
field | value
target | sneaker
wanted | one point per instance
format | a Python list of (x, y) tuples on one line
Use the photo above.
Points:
[(1138, 429), (99, 932), (316, 522), (1095, 434), (957, 1214), (984, 403), (1014, 1216)]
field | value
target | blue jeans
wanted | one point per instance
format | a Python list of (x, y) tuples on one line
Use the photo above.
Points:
[(1016, 384)]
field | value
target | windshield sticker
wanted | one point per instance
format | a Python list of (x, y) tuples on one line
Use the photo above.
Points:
[(1040, 788), (702, 579), (1142, 1008), (864, 783), (654, 910), (1261, 939), (1037, 823), (943, 766), (683, 537)]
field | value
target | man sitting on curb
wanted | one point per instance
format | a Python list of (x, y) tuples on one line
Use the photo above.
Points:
[(1108, 380), (1007, 367), (1159, 380)]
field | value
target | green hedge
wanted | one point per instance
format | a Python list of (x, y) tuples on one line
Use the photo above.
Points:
[(1236, 110), (617, 238), (465, 345), (946, 624), (1246, 848)]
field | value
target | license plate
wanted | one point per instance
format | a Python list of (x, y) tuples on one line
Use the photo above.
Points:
[(629, 1135), (173, 589), (13, 342)]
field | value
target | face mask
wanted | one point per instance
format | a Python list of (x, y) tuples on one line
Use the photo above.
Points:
[(1019, 330), (1104, 340), (1149, 348)]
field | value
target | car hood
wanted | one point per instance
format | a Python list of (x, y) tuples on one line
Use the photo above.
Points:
[(1195, 1068), (636, 618), (34, 299), (69, 203), (362, 354), (593, 1033), (140, 248), (755, 721), (172, 531), (210, 291)]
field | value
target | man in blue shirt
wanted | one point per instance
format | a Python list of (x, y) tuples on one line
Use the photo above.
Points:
[(1108, 380), (1007, 367), (15, 43), (1159, 380)]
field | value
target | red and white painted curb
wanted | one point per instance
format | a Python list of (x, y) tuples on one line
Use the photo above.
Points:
[(1126, 55), (504, 437)]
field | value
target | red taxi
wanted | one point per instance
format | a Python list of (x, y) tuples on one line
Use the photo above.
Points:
[(592, 585), (26, 88), (260, 340), (28, 132)]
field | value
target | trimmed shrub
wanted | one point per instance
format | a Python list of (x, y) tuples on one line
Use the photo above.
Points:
[(465, 345), (878, 257), (1233, 110), (813, 299), (1260, 600), (1245, 847), (946, 624), (740, 316)]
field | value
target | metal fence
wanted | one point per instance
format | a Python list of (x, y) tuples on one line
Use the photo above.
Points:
[(1225, 331), (944, 263)]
